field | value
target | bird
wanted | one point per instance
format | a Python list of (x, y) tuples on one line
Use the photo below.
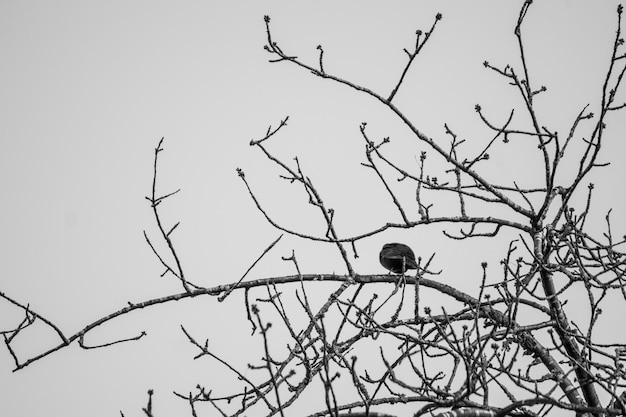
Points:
[(397, 258)]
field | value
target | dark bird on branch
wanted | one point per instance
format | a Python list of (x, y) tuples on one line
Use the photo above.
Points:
[(397, 258)]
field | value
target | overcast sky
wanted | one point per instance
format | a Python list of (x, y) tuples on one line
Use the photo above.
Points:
[(87, 89)]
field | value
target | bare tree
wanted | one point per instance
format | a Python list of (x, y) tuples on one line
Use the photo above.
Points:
[(512, 349)]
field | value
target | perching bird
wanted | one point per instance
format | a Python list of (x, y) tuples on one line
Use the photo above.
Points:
[(397, 258)]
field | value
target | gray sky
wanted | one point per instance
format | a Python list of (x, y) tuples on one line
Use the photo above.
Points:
[(88, 88)]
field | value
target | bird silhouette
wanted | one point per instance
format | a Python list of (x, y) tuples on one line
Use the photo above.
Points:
[(397, 258)]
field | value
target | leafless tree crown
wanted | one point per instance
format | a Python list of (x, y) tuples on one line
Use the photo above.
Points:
[(512, 349)]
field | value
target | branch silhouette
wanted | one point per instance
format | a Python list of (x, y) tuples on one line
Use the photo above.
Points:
[(367, 342)]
